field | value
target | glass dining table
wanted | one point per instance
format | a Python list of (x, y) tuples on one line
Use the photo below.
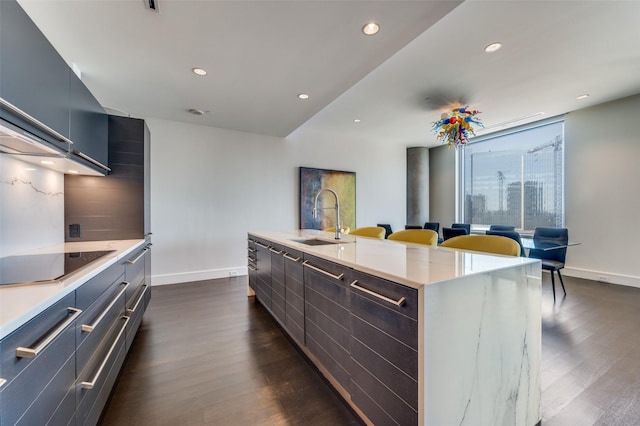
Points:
[(531, 243)]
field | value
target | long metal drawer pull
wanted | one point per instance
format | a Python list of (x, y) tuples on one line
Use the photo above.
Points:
[(33, 352), (251, 259), (90, 327), (252, 268), (135, 307), (262, 245), (144, 251), (322, 271), (295, 259), (92, 383), (251, 250), (272, 250), (398, 302)]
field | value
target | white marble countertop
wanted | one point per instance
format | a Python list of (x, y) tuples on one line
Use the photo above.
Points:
[(414, 265), (20, 303)]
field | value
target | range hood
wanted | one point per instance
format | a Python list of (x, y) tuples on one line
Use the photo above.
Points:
[(14, 140), (30, 148)]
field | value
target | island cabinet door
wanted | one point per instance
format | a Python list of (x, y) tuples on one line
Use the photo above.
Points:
[(384, 349), (294, 294), (327, 316), (263, 281), (277, 283), (252, 263)]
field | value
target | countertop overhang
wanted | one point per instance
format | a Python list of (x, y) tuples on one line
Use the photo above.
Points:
[(414, 265), (22, 302)]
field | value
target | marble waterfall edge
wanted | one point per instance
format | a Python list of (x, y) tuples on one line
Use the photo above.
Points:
[(482, 354)]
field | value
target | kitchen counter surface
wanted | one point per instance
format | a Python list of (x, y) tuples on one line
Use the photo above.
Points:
[(414, 265), (20, 303)]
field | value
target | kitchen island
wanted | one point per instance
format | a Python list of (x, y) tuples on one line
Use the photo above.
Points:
[(406, 333)]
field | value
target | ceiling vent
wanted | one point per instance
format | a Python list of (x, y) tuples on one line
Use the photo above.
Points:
[(151, 5)]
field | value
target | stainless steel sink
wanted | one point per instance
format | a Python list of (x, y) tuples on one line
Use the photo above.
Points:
[(317, 242)]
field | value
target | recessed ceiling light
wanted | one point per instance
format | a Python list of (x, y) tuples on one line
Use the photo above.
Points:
[(303, 96), (583, 96), (73, 172), (357, 120), (29, 169), (371, 28), (199, 71), (46, 162), (493, 47)]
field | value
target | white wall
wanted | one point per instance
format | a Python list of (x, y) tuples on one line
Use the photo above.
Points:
[(210, 186), (31, 206), (602, 191)]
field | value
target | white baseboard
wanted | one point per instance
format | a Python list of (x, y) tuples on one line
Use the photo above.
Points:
[(185, 277), (605, 277)]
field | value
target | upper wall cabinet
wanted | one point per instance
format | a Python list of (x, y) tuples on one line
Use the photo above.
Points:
[(88, 124), (53, 103), (33, 76)]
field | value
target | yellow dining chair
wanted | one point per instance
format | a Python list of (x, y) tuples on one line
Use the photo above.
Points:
[(369, 231), (421, 236), (345, 229), (486, 243)]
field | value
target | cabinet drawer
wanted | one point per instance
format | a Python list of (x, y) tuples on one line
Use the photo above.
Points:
[(399, 322), (36, 330), (42, 379), (135, 312), (28, 401), (88, 292), (380, 405), (134, 273), (94, 384), (252, 263), (326, 326), (96, 322)]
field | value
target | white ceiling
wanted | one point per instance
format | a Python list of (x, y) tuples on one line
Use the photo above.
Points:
[(428, 54)]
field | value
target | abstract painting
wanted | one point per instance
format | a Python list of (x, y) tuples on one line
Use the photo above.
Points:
[(343, 183)]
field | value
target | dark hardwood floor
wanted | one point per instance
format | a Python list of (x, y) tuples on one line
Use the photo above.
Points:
[(207, 355)]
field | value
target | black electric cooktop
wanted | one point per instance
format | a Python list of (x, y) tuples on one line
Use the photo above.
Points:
[(34, 268)]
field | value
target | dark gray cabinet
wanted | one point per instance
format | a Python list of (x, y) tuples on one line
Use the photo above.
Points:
[(33, 76), (384, 349), (252, 263), (263, 281), (277, 283), (38, 363), (60, 367), (88, 125), (294, 293), (122, 197), (327, 316), (139, 291), (361, 329), (43, 96)]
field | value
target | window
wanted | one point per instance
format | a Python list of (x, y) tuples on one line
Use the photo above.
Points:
[(515, 179)]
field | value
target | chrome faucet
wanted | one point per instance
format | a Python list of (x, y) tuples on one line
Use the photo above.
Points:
[(314, 212)]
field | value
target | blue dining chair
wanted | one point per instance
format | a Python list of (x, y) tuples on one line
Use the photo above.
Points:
[(466, 226), (502, 228), (453, 232), (509, 234), (552, 260)]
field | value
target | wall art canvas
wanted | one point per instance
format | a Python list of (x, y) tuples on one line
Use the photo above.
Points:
[(344, 183)]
